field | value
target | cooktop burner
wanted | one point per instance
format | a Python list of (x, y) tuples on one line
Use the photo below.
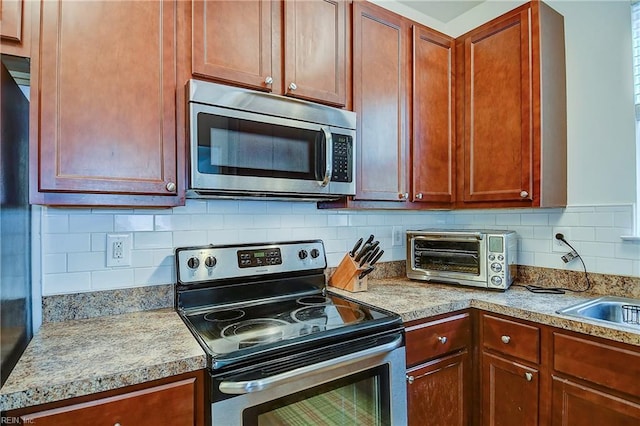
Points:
[(242, 308)]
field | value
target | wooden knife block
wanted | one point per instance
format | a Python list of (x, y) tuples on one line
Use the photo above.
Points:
[(346, 274)]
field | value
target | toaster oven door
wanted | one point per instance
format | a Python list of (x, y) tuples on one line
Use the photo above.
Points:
[(458, 258)]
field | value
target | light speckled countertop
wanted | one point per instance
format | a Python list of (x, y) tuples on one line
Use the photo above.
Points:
[(81, 357), (416, 300)]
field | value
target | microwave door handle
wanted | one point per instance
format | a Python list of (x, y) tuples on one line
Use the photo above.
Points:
[(328, 171)]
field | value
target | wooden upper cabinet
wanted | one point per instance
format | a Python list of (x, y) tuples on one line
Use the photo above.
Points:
[(506, 157), (433, 137), (15, 27), (103, 119), (296, 47), (232, 42), (315, 50), (380, 64)]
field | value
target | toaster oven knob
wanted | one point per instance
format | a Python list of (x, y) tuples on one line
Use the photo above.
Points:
[(302, 254), (496, 267), (210, 262), (496, 280), (193, 263)]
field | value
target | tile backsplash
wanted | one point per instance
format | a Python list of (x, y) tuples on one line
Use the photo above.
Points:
[(73, 241)]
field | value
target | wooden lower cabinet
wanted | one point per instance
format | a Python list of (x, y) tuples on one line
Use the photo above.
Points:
[(510, 392), (577, 404), (177, 401), (438, 391)]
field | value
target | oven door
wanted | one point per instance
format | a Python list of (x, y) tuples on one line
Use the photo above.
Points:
[(365, 387), (245, 152), (458, 257)]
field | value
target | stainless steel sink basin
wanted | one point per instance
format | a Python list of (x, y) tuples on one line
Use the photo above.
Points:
[(618, 310)]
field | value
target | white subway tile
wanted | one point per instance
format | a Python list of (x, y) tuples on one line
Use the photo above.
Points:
[(190, 238), (252, 207), (596, 219), (154, 276), (54, 263), (173, 223), (157, 239), (223, 236), (222, 206), (207, 221), (357, 220), (252, 236), (564, 219), (306, 207), (91, 223), (292, 221), (133, 222), (588, 248), (278, 207), (279, 234), (99, 241), (614, 266), (526, 258), (111, 211), (537, 246), (55, 224), (583, 233), (314, 221), (90, 261), (548, 260), (111, 279), (142, 258), (66, 243), (623, 219), (237, 221), (375, 219), (508, 219), (541, 219), (611, 235), (164, 257), (77, 282), (627, 250), (336, 246), (539, 232), (337, 220), (192, 207), (52, 211), (268, 221)]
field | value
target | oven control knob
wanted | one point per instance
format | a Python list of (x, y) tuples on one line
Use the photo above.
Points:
[(302, 254), (496, 280), (193, 263), (496, 267), (315, 253), (210, 262)]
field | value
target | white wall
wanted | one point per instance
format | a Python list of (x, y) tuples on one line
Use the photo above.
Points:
[(601, 185)]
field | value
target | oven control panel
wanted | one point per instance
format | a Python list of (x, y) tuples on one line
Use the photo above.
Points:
[(210, 263)]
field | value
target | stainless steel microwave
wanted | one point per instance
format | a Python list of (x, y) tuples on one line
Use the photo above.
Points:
[(253, 144), (479, 258)]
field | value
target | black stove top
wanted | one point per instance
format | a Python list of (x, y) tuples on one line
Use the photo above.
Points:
[(266, 314)]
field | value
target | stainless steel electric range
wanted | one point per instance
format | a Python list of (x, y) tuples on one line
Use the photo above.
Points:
[(281, 349)]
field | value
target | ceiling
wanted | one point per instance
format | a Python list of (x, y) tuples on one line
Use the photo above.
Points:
[(442, 10)]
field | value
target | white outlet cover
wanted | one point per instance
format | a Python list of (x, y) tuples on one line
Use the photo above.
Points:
[(557, 245), (397, 236), (125, 259)]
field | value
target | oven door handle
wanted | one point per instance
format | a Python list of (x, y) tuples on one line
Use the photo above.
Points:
[(248, 386)]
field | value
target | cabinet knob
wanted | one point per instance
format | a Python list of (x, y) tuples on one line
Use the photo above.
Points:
[(528, 376), (410, 379), (505, 339), (268, 80), (116, 424), (524, 194), (293, 86), (403, 196), (171, 187), (419, 196), (442, 339)]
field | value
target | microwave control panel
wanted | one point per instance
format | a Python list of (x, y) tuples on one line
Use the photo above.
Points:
[(342, 158)]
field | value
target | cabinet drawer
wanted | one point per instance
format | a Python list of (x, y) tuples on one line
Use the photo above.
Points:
[(610, 366), (511, 338), (434, 338)]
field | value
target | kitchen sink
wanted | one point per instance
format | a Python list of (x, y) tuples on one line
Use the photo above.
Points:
[(617, 310)]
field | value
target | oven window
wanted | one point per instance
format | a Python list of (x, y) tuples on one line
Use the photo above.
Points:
[(232, 146), (452, 256), (357, 400)]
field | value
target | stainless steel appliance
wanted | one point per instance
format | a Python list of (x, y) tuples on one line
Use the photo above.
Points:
[(479, 258), (281, 349), (249, 143)]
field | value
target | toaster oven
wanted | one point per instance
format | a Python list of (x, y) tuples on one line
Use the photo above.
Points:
[(479, 258)]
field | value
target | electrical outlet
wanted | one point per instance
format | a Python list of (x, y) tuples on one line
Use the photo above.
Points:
[(556, 244), (398, 236), (118, 249)]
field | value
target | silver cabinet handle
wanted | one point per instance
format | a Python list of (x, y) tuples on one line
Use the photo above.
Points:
[(171, 187), (268, 80), (293, 86), (524, 194), (442, 339), (248, 386), (528, 376), (328, 156), (505, 339), (410, 379), (419, 196)]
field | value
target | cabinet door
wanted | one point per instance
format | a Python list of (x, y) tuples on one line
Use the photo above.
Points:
[(433, 117), (380, 57), (152, 406), (575, 404), (15, 27), (497, 145), (509, 392), (438, 392), (315, 50), (103, 120), (232, 42)]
